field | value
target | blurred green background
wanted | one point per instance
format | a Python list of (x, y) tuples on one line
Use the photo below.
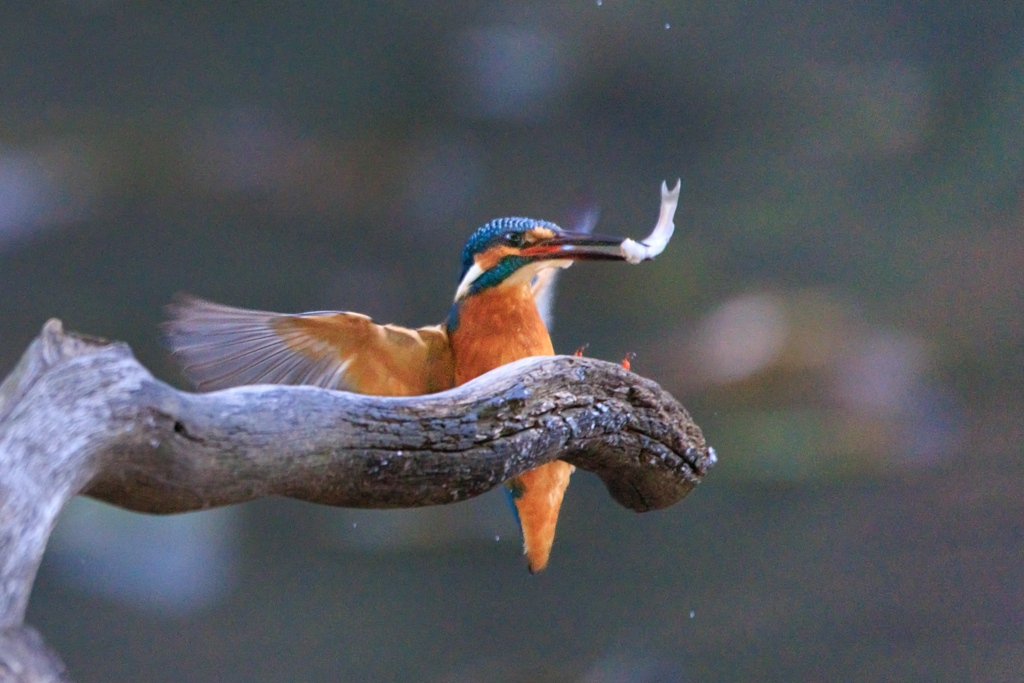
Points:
[(840, 310)]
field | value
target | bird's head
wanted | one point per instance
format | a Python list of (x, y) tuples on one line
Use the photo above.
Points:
[(514, 250)]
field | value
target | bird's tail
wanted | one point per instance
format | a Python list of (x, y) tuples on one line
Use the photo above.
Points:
[(537, 498)]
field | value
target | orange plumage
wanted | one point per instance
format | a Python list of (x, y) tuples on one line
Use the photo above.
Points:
[(498, 326), (508, 267)]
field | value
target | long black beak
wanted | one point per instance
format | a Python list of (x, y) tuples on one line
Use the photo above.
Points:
[(577, 246)]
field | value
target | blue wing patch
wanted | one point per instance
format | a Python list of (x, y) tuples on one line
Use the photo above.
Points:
[(514, 489)]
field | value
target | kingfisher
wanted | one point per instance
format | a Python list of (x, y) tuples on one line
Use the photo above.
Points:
[(507, 274)]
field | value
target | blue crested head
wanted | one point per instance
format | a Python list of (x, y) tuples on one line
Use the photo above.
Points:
[(508, 231), (522, 247)]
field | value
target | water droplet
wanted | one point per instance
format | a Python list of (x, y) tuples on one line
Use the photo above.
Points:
[(691, 614), (667, 25), (354, 525), (599, 2), (496, 537)]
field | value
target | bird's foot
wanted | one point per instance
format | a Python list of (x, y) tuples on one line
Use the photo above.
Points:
[(628, 357), (579, 352)]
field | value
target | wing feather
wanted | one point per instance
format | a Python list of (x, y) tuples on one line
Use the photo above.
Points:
[(543, 284), (543, 290), (221, 346)]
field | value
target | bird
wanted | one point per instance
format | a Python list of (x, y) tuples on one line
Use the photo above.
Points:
[(508, 268)]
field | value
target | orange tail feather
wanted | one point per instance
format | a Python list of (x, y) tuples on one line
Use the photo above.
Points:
[(542, 489)]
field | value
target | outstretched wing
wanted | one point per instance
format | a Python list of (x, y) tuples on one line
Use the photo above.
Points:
[(543, 289), (543, 284), (221, 346)]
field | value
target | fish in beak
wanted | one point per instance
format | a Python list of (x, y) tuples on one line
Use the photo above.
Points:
[(578, 246)]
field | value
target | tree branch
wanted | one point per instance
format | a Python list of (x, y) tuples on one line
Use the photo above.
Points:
[(81, 415)]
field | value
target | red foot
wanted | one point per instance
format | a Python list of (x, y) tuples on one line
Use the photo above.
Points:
[(625, 361), (579, 352)]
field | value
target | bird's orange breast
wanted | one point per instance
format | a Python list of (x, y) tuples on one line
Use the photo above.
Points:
[(497, 326), (494, 327)]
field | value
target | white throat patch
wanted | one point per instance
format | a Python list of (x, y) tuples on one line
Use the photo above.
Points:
[(468, 279), (523, 275)]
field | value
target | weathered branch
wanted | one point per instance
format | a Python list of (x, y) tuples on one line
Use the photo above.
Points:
[(81, 415), (25, 658)]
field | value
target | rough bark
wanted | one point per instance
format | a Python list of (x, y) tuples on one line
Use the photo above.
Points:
[(81, 415), (25, 658)]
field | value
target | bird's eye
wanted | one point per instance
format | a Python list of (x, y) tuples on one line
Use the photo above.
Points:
[(514, 238)]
